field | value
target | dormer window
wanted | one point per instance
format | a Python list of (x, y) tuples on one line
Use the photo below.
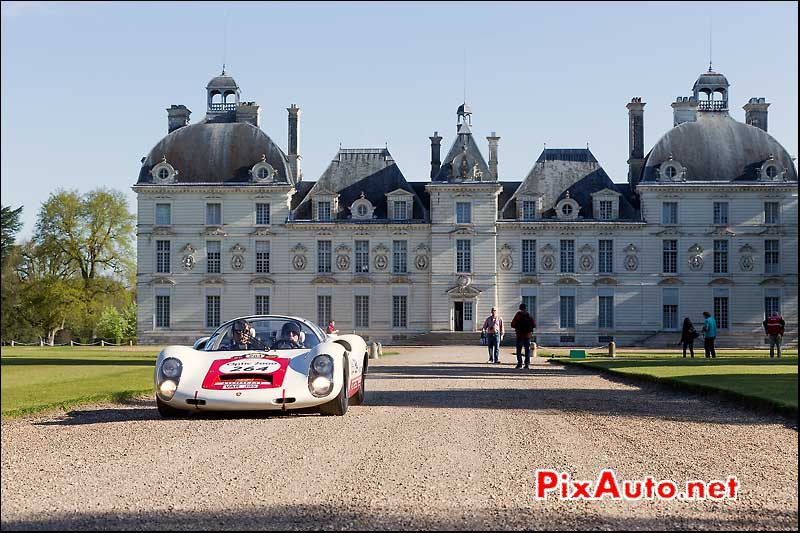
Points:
[(362, 208), (771, 170), (163, 172), (529, 206), (399, 202), (263, 171), (567, 209), (605, 204), (671, 170), (323, 210)]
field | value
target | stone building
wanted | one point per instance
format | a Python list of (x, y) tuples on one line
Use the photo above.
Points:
[(707, 220)]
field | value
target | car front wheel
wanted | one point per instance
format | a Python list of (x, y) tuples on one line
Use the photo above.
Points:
[(337, 406), (358, 398), (169, 412)]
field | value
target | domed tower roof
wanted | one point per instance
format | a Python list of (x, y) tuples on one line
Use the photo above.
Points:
[(217, 153), (717, 148), (222, 82), (710, 79)]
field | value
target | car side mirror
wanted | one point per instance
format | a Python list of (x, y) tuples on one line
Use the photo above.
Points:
[(200, 344)]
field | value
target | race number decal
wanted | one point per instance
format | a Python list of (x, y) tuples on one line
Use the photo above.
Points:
[(263, 366)]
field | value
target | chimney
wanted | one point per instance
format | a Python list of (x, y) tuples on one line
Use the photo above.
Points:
[(177, 117), (436, 160), (493, 140), (249, 112), (755, 113), (294, 142), (635, 139), (684, 109)]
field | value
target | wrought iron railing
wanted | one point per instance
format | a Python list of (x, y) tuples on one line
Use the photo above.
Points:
[(712, 105), (222, 107)]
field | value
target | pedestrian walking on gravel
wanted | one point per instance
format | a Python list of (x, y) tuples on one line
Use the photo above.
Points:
[(688, 335), (493, 328), (775, 327), (523, 324), (709, 335)]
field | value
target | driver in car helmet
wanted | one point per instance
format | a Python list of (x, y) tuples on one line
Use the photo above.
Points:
[(242, 336), (291, 336)]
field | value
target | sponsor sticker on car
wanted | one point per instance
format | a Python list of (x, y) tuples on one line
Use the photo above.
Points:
[(264, 366), (241, 385)]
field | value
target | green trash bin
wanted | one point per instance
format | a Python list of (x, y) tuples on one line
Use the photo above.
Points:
[(577, 354)]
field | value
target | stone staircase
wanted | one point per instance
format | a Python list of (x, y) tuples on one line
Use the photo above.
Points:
[(437, 338)]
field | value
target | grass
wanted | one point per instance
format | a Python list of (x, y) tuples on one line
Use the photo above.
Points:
[(745, 375), (35, 379)]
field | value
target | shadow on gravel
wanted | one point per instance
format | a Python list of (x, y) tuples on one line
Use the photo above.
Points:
[(145, 409), (640, 399), (472, 371), (329, 517)]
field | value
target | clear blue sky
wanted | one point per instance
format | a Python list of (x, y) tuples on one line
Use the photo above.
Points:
[(85, 85)]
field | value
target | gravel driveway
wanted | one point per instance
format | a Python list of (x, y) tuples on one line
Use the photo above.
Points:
[(444, 441)]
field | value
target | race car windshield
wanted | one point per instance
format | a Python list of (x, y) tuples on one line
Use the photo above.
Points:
[(263, 334)]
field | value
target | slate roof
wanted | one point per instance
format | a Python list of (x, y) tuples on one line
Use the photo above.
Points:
[(372, 171), (718, 148), (509, 188), (582, 190), (575, 170), (216, 153), (222, 82), (473, 155)]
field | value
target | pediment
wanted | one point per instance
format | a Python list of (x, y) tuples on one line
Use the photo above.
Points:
[(262, 280), (721, 281), (721, 232), (605, 281), (399, 192), (463, 231), (605, 192), (298, 248), (327, 280), (262, 232), (323, 190), (213, 280), (773, 282), (529, 280), (567, 280), (669, 232), (461, 290), (400, 279), (670, 281), (362, 279), (215, 231), (162, 281)]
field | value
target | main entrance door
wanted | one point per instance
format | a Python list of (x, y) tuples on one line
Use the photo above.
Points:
[(462, 316)]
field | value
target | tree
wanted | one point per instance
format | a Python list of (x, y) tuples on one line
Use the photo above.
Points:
[(111, 324), (48, 294), (94, 233), (9, 226)]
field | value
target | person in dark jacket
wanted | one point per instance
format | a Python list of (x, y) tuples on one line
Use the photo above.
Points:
[(523, 324), (688, 335), (774, 326)]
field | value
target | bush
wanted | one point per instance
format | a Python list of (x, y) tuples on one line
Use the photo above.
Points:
[(111, 324)]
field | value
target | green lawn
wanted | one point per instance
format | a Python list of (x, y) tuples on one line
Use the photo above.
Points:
[(748, 375), (36, 379)]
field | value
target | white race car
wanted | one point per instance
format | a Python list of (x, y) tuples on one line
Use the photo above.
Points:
[(265, 362)]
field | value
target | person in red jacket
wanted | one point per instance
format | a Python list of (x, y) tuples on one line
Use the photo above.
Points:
[(523, 324), (774, 326)]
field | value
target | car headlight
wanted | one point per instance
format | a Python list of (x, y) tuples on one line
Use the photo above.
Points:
[(321, 386), (171, 368), (167, 389), (322, 364)]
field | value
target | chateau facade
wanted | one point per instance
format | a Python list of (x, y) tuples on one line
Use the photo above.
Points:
[(228, 226)]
